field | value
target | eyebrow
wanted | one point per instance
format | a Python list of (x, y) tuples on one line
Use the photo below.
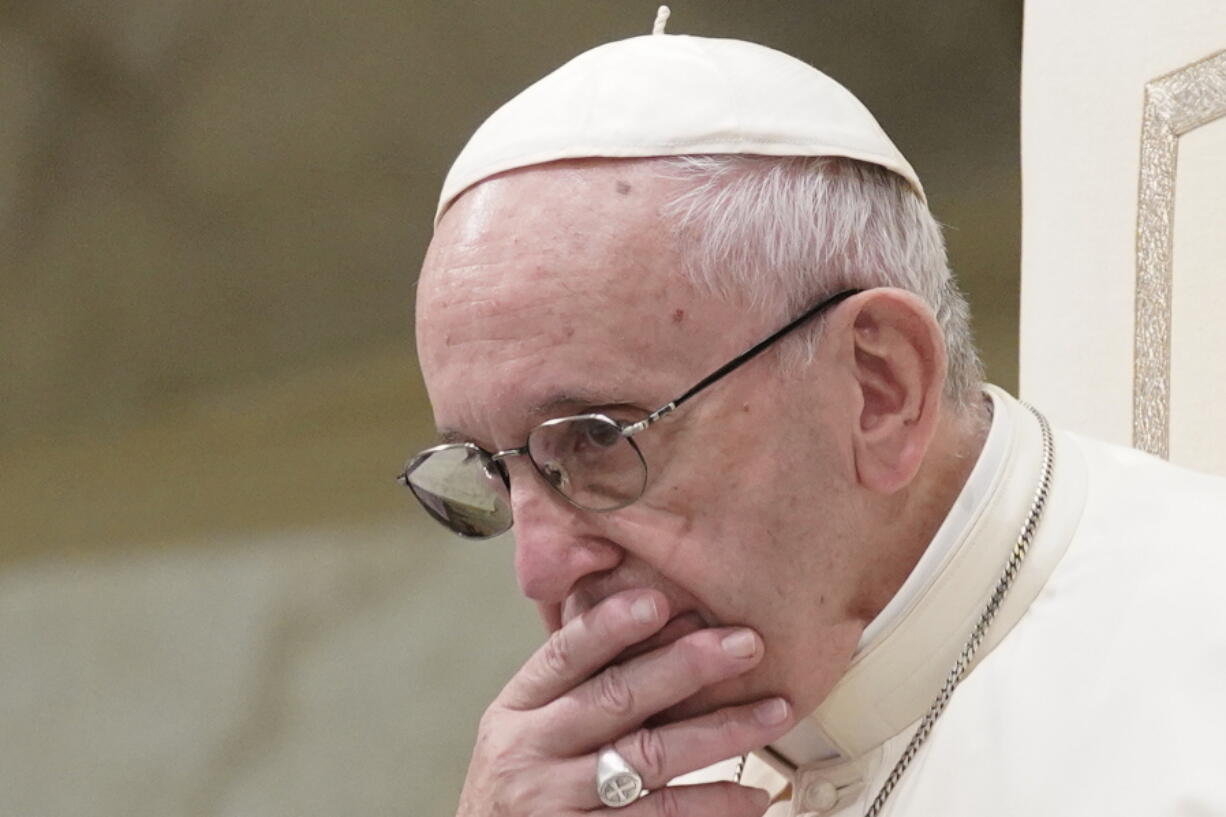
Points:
[(574, 400)]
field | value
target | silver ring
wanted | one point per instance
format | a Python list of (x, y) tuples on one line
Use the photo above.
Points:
[(617, 784)]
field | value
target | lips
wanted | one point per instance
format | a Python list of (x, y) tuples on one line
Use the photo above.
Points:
[(677, 627)]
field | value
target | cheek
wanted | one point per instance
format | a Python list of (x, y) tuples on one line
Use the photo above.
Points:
[(693, 472), (715, 510)]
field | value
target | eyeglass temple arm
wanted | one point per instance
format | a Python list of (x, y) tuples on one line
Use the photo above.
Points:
[(740, 359)]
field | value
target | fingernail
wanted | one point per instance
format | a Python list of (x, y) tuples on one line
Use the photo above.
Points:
[(772, 712), (644, 610), (740, 644)]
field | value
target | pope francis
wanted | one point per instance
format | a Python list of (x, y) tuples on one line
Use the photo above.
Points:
[(688, 329)]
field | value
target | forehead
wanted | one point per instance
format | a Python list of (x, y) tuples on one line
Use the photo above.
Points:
[(560, 281)]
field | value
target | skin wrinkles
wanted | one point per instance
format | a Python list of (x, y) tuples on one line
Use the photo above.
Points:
[(678, 556), (560, 285)]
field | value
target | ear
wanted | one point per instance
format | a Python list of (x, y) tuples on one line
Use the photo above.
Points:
[(899, 367)]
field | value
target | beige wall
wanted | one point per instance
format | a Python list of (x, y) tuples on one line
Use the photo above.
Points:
[(214, 600)]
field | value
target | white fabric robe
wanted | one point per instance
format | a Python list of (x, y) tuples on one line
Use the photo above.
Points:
[(1101, 687)]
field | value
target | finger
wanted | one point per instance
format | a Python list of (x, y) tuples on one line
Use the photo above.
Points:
[(707, 800), (583, 645), (622, 696), (661, 754)]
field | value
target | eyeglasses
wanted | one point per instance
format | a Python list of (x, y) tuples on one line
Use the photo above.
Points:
[(591, 460)]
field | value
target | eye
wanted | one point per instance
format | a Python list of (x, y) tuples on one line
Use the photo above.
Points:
[(603, 434)]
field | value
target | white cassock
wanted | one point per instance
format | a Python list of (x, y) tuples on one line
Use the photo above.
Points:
[(1101, 686)]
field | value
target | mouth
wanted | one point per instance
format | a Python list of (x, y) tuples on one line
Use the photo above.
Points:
[(677, 628)]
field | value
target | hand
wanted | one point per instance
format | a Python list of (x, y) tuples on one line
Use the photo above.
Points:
[(536, 747)]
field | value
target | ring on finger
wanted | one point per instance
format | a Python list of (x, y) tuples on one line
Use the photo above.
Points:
[(617, 783)]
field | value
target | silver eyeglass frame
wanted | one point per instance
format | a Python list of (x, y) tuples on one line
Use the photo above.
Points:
[(627, 430), (496, 458)]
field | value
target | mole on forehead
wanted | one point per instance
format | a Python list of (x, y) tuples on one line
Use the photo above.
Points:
[(557, 405)]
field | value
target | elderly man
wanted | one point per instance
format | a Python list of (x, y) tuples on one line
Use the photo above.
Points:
[(687, 324)]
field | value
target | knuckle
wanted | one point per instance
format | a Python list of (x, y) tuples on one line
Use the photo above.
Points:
[(727, 724), (492, 744), (557, 653), (652, 753), (695, 653), (612, 692), (608, 621), (490, 722), (604, 617), (668, 802)]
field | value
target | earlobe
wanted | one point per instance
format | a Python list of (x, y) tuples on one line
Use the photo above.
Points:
[(899, 365)]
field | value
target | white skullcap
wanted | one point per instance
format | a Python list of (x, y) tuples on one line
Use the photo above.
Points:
[(669, 95)]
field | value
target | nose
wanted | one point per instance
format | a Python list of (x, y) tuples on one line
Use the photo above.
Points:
[(556, 544)]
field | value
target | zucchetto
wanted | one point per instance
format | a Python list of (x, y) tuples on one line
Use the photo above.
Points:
[(669, 95)]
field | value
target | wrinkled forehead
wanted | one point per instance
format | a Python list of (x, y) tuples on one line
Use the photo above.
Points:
[(554, 241), (564, 277), (579, 207)]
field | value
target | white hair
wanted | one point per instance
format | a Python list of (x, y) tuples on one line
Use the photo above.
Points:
[(780, 233)]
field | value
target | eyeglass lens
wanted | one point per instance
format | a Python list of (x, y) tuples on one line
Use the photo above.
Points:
[(587, 459), (464, 489)]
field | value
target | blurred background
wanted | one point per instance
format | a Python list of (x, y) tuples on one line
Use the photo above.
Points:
[(214, 599)]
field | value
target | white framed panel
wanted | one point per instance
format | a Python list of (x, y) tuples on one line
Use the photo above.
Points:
[(1110, 93), (1198, 323)]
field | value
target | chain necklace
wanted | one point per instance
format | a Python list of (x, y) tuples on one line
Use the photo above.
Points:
[(962, 665)]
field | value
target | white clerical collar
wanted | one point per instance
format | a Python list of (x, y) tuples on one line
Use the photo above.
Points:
[(896, 674), (806, 743)]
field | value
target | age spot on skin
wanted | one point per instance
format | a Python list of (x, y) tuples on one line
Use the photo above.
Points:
[(623, 188)]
